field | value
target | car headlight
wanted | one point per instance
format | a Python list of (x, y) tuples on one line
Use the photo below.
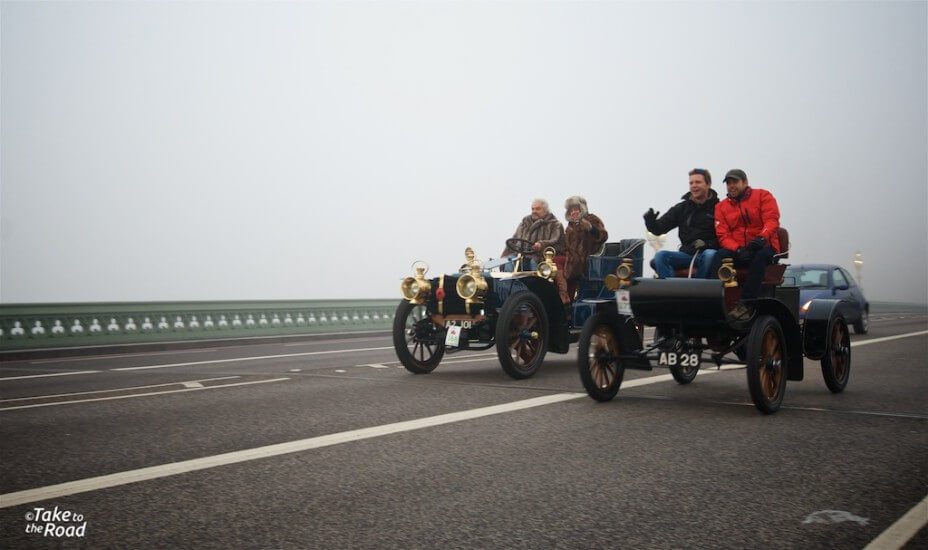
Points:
[(544, 270), (547, 269), (415, 289), (611, 282), (622, 277), (473, 287), (727, 272), (467, 287)]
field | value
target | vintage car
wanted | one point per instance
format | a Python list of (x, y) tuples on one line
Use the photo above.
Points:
[(692, 324), (510, 303)]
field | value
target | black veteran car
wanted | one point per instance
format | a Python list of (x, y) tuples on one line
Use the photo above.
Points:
[(692, 322), (508, 303)]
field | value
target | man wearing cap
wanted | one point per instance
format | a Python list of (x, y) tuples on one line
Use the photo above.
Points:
[(746, 223), (695, 218)]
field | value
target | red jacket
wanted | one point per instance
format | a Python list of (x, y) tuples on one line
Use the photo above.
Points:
[(738, 221)]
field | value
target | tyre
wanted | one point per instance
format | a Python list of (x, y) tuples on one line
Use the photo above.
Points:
[(417, 341), (836, 363), (684, 375), (601, 370), (522, 335), (862, 325), (741, 352), (766, 364)]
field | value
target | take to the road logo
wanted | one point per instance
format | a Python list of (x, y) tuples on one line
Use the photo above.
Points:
[(55, 523)]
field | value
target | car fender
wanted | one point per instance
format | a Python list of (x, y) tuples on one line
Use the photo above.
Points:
[(791, 331), (817, 326)]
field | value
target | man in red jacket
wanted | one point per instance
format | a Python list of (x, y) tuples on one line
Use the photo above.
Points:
[(746, 224)]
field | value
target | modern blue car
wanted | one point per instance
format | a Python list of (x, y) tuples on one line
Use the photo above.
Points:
[(830, 281)]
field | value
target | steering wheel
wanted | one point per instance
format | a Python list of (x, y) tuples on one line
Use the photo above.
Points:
[(520, 246)]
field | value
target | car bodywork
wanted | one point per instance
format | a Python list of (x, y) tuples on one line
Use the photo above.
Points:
[(693, 319), (509, 303), (827, 281)]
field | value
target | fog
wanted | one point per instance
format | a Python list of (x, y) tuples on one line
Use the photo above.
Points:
[(213, 150)]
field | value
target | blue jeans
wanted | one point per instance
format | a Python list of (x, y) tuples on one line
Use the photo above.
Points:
[(666, 261)]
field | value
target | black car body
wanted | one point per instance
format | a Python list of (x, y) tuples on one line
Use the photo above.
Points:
[(509, 303)]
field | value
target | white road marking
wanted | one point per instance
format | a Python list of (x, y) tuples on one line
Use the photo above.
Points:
[(47, 375), (888, 338), (316, 343), (56, 403), (296, 370), (256, 358), (904, 529), (193, 385), (375, 366), (340, 370), (117, 356), (453, 361), (111, 390), (174, 468)]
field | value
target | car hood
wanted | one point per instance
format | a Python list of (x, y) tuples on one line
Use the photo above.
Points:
[(811, 294), (806, 295)]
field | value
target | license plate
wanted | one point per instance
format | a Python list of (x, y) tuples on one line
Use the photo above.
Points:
[(623, 301), (679, 359), (453, 336)]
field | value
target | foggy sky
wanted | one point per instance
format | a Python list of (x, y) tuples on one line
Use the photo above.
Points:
[(213, 151)]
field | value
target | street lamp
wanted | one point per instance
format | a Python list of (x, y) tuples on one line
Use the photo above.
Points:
[(858, 265)]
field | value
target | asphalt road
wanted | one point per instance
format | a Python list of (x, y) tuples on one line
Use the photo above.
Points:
[(332, 444)]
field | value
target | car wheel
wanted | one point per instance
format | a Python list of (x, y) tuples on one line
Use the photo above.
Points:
[(862, 325), (766, 364), (522, 335), (836, 363), (601, 370), (416, 339), (684, 375)]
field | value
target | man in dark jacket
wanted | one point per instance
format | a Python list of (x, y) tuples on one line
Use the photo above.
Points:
[(541, 228), (746, 223), (695, 216)]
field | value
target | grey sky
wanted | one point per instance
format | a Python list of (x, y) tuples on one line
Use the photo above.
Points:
[(210, 150)]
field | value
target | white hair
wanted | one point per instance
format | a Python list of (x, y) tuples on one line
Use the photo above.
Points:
[(543, 203)]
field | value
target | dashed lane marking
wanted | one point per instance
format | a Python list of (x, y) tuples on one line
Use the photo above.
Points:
[(54, 395), (255, 358), (119, 356), (56, 403), (47, 375), (175, 468)]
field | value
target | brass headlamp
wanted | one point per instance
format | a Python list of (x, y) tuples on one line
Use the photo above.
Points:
[(547, 269), (472, 287), (415, 289), (622, 277), (727, 273)]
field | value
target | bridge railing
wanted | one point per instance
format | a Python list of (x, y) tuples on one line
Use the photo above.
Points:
[(34, 326)]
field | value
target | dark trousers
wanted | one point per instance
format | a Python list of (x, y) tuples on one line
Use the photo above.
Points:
[(756, 264)]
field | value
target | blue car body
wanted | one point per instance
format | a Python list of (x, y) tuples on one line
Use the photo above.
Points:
[(830, 281)]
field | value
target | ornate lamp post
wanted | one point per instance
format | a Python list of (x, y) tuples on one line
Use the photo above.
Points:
[(858, 265)]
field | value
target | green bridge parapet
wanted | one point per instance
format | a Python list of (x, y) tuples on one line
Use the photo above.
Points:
[(36, 326)]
